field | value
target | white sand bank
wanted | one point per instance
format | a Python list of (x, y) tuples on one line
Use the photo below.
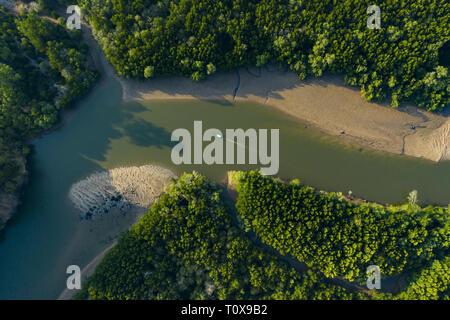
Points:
[(120, 188)]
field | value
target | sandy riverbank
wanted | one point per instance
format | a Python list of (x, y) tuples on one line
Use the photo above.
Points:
[(137, 187), (101, 234), (326, 103)]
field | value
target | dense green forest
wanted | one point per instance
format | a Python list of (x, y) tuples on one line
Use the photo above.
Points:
[(432, 282), (196, 38), (43, 69), (340, 237), (187, 247)]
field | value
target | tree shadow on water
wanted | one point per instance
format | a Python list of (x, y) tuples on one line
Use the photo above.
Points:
[(134, 107), (146, 134)]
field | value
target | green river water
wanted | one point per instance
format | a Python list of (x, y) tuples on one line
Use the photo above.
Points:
[(47, 233)]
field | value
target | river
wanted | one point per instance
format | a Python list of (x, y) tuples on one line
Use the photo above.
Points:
[(46, 235)]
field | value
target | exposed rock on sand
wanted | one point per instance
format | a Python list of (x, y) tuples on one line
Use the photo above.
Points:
[(8, 202), (327, 103), (120, 188)]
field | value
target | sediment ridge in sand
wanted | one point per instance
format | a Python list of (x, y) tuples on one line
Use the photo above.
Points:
[(327, 103), (119, 188)]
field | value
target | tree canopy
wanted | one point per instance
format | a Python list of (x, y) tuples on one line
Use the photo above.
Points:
[(341, 238), (189, 246), (400, 61), (43, 69), (186, 247)]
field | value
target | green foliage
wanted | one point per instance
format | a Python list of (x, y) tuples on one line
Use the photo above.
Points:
[(400, 61), (149, 72), (431, 283), (42, 69), (338, 237), (187, 248)]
